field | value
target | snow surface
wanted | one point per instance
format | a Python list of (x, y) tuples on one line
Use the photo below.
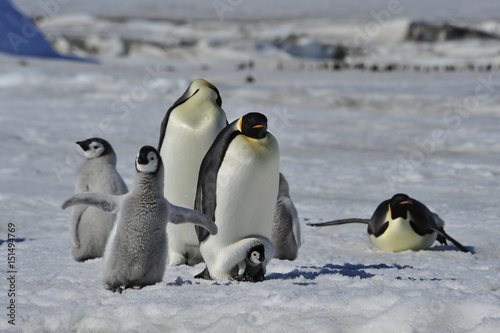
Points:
[(348, 139)]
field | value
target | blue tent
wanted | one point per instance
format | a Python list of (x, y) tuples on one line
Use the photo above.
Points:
[(20, 36)]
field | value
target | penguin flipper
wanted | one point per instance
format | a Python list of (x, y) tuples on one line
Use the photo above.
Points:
[(290, 207), (106, 202), (179, 215), (444, 235), (338, 222), (296, 231)]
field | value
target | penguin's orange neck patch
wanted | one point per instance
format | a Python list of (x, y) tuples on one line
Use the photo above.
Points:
[(239, 124)]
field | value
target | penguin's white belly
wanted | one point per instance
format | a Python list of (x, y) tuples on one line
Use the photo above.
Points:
[(108, 252), (400, 236), (247, 187), (182, 151)]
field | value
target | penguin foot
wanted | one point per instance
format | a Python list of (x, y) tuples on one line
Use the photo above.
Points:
[(205, 274), (120, 289), (114, 289), (241, 278), (249, 276), (177, 259)]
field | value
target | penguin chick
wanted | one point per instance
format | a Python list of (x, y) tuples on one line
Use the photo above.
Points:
[(402, 223), (135, 254), (90, 227), (286, 228), (187, 131), (252, 268)]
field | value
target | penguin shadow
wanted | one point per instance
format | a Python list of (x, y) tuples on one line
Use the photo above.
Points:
[(179, 282), (450, 247), (349, 270)]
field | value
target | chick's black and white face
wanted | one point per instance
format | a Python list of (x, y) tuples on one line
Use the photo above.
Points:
[(255, 257), (94, 149), (147, 161)]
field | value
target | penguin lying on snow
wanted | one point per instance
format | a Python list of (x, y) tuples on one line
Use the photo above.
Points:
[(402, 223), (90, 227), (237, 189), (286, 228), (189, 128), (136, 251)]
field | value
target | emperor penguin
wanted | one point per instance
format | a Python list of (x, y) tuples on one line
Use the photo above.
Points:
[(136, 251), (286, 228), (237, 188), (90, 227), (189, 128), (400, 224)]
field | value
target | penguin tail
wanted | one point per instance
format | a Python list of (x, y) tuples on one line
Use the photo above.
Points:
[(338, 222), (443, 236)]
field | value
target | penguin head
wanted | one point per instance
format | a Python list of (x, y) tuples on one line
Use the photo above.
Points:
[(204, 89), (257, 254), (399, 205), (253, 125), (95, 147), (148, 160)]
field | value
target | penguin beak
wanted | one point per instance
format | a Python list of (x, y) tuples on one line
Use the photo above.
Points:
[(262, 130), (142, 159), (83, 145), (407, 202)]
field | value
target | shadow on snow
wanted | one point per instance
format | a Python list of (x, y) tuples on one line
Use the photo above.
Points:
[(349, 270), (16, 240)]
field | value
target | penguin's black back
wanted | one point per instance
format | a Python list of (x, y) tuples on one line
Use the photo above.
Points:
[(206, 196)]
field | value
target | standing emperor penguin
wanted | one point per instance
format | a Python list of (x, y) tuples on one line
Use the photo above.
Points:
[(90, 227), (237, 189), (136, 251), (286, 228), (187, 132), (400, 224)]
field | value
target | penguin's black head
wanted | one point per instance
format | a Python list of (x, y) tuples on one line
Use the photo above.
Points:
[(253, 125), (148, 160), (400, 204), (95, 147), (257, 254)]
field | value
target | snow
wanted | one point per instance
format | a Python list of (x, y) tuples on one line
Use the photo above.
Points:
[(348, 140)]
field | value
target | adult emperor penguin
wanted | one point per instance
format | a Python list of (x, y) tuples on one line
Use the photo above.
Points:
[(237, 189), (136, 251), (90, 227), (286, 228), (402, 223), (187, 132)]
